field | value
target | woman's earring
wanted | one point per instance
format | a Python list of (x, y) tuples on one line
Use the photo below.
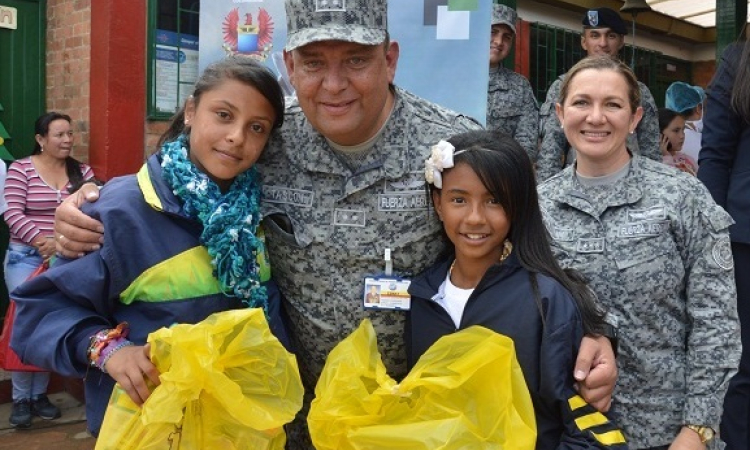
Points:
[(507, 249)]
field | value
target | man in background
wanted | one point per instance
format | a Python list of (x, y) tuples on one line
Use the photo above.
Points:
[(511, 106)]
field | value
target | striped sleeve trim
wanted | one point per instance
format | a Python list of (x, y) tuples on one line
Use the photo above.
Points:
[(588, 419)]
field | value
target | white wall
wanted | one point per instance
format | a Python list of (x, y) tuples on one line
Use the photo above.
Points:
[(532, 11)]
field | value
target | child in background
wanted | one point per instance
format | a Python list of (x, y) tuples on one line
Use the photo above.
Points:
[(500, 273), (175, 233), (672, 129)]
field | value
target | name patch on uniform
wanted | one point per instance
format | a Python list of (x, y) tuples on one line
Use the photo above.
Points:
[(641, 229), (563, 234), (590, 245), (644, 215), (276, 194), (406, 201), (349, 218)]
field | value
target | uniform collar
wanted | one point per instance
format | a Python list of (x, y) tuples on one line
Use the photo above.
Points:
[(626, 191)]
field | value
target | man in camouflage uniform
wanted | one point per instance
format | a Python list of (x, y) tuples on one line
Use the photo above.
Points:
[(511, 106), (344, 181), (655, 249), (603, 34)]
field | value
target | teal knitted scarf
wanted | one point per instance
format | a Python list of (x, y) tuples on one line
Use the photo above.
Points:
[(230, 221)]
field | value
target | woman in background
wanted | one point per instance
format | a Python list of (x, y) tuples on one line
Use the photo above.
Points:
[(34, 187)]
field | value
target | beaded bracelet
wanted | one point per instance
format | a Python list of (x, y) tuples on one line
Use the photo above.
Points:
[(112, 347), (101, 339)]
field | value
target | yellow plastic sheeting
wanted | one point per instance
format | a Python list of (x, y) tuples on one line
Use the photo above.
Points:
[(466, 391), (226, 383)]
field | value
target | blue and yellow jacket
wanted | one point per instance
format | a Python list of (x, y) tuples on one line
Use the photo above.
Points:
[(546, 337), (151, 272)]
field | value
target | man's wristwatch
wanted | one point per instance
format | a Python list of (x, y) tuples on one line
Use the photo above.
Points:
[(705, 433), (610, 332)]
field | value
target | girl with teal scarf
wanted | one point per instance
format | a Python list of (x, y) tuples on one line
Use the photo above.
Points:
[(182, 243)]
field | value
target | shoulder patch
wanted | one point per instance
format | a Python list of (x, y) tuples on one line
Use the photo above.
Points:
[(722, 253)]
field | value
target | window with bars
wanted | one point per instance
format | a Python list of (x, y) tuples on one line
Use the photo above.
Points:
[(554, 50), (172, 54)]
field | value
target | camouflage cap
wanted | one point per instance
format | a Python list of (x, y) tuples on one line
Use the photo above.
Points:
[(504, 15), (361, 21)]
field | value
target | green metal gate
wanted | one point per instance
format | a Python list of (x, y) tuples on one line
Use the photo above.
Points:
[(22, 84)]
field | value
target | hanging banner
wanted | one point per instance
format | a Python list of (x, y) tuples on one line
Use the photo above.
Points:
[(444, 44)]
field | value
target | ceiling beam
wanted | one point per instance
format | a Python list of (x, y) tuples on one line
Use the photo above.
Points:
[(652, 21)]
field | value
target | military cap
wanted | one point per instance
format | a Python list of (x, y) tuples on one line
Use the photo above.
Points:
[(683, 97), (605, 18), (359, 21), (504, 15)]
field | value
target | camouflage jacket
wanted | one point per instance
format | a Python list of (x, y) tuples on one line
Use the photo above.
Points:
[(328, 227), (512, 108), (655, 248), (555, 152)]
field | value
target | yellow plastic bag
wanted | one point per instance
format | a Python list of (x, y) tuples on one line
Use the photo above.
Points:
[(226, 383), (466, 392)]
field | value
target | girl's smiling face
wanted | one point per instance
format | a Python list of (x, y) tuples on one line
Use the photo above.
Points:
[(473, 218), (597, 117), (229, 127)]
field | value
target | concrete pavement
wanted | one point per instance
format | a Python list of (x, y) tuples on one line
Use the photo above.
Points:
[(66, 433)]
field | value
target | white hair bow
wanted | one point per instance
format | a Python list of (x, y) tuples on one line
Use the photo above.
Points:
[(440, 159)]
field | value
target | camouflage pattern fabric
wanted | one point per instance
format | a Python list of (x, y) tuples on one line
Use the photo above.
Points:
[(555, 152), (512, 108), (655, 248), (340, 223), (361, 21)]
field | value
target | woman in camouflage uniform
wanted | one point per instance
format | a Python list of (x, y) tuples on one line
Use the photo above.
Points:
[(655, 248)]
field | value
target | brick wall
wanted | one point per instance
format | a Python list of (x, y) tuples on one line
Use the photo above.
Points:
[(154, 130), (703, 71), (69, 65)]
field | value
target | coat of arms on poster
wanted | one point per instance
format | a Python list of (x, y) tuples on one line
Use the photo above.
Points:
[(247, 35)]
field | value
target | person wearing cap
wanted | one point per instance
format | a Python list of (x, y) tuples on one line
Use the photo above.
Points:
[(725, 170), (511, 106), (343, 195), (603, 34), (687, 101)]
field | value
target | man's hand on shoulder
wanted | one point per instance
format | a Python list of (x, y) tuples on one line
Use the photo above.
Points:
[(596, 372), (75, 232)]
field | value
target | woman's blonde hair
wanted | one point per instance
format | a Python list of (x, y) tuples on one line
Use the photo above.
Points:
[(604, 63)]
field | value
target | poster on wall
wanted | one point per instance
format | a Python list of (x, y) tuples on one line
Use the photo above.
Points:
[(444, 44), (176, 69)]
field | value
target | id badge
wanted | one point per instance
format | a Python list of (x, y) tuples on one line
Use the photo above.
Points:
[(387, 293)]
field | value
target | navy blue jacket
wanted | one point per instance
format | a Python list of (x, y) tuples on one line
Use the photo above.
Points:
[(725, 148), (151, 272), (546, 335)]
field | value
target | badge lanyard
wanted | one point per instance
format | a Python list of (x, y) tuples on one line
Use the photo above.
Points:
[(386, 291)]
